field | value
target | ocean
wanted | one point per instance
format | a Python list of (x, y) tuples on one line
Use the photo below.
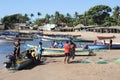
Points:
[(7, 48)]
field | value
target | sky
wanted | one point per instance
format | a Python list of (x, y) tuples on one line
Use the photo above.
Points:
[(9, 7)]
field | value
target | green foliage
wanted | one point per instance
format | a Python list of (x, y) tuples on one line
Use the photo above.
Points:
[(16, 18), (39, 21), (99, 13)]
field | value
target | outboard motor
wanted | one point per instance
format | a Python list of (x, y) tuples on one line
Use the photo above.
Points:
[(11, 60)]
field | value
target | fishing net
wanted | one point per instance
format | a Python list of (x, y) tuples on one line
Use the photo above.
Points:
[(117, 60), (102, 61)]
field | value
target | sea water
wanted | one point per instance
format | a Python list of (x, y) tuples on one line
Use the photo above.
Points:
[(7, 48)]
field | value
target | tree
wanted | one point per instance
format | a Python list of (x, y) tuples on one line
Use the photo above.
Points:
[(8, 21), (39, 14), (15, 18), (99, 13), (68, 18), (31, 15), (116, 13), (76, 15), (57, 17), (39, 21), (47, 17)]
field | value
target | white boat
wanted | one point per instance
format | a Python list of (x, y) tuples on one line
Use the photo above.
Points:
[(60, 52), (55, 38), (48, 52), (6, 41)]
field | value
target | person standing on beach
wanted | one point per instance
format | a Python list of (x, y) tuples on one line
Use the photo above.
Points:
[(17, 48), (67, 53), (72, 49), (110, 45), (39, 50)]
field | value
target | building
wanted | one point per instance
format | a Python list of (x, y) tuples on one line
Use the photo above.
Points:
[(47, 27)]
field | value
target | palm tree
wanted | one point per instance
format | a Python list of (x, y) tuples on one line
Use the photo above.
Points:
[(57, 17), (68, 17), (32, 15), (76, 15), (39, 14), (26, 15), (52, 16), (116, 13), (47, 17)]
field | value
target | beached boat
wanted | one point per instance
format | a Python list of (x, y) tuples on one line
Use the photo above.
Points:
[(114, 46), (55, 38), (105, 37), (74, 39), (20, 63), (60, 52), (101, 45)]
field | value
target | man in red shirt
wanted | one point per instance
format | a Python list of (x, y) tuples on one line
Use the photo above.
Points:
[(67, 52)]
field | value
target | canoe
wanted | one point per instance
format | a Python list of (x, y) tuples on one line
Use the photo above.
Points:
[(114, 46), (57, 52), (55, 38), (105, 37), (20, 63), (81, 40), (2, 41)]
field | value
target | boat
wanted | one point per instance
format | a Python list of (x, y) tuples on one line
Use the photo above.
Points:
[(105, 37), (57, 52), (74, 39), (103, 46), (2, 41), (24, 36), (54, 38), (20, 63)]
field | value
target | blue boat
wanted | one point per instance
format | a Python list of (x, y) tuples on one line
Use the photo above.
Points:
[(114, 46)]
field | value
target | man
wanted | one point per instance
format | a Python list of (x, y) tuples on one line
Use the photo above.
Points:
[(72, 49), (67, 53), (17, 48), (110, 45), (39, 50)]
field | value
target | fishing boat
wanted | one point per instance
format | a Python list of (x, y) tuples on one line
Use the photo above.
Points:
[(60, 52), (74, 39), (104, 46), (105, 37), (20, 63), (55, 38), (2, 41)]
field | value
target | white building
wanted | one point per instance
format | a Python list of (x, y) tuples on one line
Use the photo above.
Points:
[(48, 27)]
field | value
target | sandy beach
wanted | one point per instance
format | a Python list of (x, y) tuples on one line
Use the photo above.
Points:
[(54, 68)]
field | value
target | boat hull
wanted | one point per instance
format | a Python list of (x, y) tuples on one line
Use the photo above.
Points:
[(81, 40), (114, 46), (60, 52), (20, 63), (105, 37)]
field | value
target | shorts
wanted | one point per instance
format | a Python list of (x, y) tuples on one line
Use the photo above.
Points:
[(67, 54), (39, 55)]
